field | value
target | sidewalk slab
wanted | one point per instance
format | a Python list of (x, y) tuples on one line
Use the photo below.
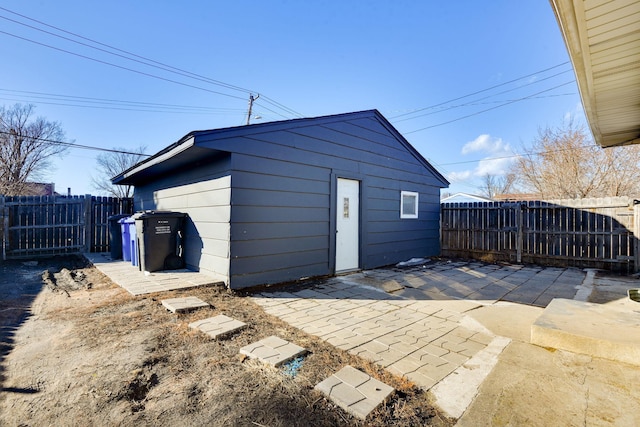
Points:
[(181, 305), (609, 331), (354, 391), (218, 326), (273, 350)]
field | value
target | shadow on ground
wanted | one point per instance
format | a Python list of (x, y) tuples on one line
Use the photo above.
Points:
[(20, 283)]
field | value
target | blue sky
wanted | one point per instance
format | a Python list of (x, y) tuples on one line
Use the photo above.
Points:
[(417, 62)]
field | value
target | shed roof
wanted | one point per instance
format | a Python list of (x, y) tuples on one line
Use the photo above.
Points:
[(186, 150), (603, 40)]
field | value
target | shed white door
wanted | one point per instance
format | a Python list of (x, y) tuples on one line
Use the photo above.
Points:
[(347, 225)]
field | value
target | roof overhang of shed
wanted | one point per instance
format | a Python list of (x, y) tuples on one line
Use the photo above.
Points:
[(176, 156), (603, 40)]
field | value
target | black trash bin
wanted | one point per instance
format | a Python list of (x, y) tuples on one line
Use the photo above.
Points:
[(159, 238), (115, 236)]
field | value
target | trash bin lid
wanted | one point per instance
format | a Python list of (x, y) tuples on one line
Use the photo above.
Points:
[(117, 217), (157, 214), (127, 220)]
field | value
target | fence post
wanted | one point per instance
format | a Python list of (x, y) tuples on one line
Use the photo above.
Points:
[(5, 228), (636, 236), (519, 233), (88, 222)]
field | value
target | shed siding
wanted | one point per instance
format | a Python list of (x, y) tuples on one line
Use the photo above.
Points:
[(204, 193), (281, 217), (280, 221)]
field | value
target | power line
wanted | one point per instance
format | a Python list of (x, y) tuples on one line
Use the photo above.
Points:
[(74, 145), (113, 104), (120, 66), (451, 107), (479, 91), (131, 57), (489, 109), (146, 62)]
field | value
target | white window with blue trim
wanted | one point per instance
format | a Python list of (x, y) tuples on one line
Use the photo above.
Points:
[(408, 205)]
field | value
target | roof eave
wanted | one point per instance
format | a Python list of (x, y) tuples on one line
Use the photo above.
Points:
[(570, 17), (160, 157)]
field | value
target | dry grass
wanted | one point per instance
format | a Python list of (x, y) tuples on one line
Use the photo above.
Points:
[(131, 362)]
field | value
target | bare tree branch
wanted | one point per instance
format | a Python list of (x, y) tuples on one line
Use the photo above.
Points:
[(563, 162), (25, 156), (112, 164)]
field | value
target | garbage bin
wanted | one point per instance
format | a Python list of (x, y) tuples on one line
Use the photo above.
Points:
[(115, 235), (160, 240), (126, 237), (133, 242)]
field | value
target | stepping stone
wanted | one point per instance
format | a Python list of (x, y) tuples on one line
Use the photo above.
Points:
[(354, 391), (273, 350), (218, 326), (180, 305)]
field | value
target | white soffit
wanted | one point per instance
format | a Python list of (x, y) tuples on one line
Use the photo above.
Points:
[(603, 39)]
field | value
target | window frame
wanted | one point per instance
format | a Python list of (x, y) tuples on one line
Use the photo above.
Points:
[(410, 215)]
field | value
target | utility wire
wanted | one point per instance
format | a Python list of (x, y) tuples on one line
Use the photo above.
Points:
[(479, 91), (450, 107), (111, 104), (122, 67), (143, 60), (220, 83), (74, 145), (489, 109)]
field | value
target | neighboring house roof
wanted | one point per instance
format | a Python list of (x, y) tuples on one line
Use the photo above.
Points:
[(40, 189), (187, 150), (603, 41), (464, 198)]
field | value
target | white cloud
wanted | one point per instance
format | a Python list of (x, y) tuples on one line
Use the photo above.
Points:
[(485, 143), (499, 157), (459, 176), (493, 166)]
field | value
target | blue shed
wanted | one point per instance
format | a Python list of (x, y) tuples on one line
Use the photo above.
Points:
[(275, 202)]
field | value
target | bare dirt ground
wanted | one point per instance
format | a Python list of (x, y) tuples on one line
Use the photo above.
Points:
[(79, 350)]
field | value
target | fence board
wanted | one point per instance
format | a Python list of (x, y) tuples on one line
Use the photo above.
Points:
[(584, 233), (51, 225)]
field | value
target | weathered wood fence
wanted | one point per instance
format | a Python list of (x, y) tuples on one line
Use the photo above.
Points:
[(599, 233), (33, 226)]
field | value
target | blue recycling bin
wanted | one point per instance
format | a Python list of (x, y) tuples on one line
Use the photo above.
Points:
[(133, 242), (126, 238), (115, 235)]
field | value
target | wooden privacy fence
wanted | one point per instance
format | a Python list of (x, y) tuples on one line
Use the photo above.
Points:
[(598, 233), (50, 225)]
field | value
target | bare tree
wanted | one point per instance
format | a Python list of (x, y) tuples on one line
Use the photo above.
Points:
[(27, 145), (497, 184), (563, 162), (113, 163)]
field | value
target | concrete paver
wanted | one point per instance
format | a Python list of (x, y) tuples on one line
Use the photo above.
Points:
[(138, 283), (181, 305), (354, 391), (273, 350), (423, 340), (218, 326)]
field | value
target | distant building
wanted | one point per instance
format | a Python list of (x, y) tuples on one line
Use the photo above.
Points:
[(465, 198), (39, 189)]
